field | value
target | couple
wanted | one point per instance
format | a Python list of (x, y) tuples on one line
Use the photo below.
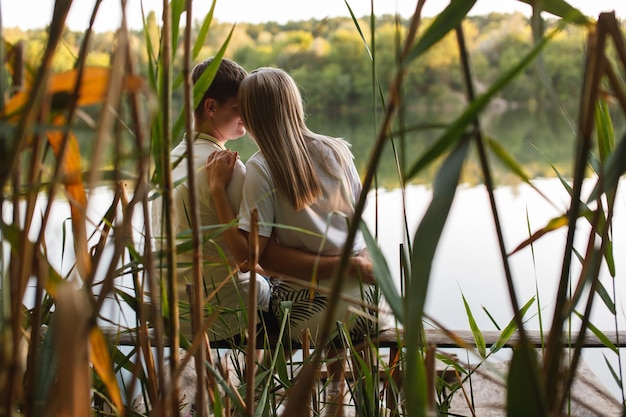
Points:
[(304, 186)]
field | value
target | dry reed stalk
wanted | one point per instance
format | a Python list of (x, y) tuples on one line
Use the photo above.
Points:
[(253, 259), (70, 395)]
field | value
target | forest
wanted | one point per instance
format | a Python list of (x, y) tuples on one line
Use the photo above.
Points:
[(327, 59)]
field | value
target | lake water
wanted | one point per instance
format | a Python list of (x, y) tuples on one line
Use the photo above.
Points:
[(467, 261)]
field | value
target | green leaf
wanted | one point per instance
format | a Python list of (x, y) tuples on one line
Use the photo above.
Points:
[(493, 320), (524, 386), (510, 328), (46, 371), (604, 130), (358, 28), (561, 9), (476, 333), (204, 30), (510, 162), (451, 362), (177, 8), (601, 336), (615, 375), (416, 384), (384, 279), (203, 83), (447, 20), (614, 168), (425, 244), (605, 297), (429, 231)]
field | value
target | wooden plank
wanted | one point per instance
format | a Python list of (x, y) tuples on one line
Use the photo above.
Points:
[(462, 338), (440, 339)]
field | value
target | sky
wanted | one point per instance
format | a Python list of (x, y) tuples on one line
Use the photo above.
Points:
[(33, 14)]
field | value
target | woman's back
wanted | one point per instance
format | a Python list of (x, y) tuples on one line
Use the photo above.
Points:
[(321, 227)]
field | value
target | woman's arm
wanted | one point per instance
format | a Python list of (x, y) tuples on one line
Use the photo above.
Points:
[(273, 258), (220, 166), (303, 265)]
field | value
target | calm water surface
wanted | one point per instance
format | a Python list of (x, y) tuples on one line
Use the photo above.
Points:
[(467, 262)]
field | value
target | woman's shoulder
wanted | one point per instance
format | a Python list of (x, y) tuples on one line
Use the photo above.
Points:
[(257, 158), (257, 164)]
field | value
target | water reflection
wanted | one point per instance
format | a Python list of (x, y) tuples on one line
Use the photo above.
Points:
[(467, 262)]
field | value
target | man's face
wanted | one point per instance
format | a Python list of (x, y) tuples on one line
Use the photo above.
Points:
[(227, 120)]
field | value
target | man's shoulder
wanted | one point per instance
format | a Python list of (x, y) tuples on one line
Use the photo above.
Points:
[(204, 148)]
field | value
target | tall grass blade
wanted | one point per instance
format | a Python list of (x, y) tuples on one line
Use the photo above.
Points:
[(358, 28), (512, 164), (562, 9), (202, 85), (384, 280), (177, 7), (429, 231), (44, 375), (69, 159), (101, 360), (476, 333), (525, 394), (447, 20), (204, 30), (553, 224), (510, 328), (605, 132), (599, 334), (616, 377), (605, 297), (425, 240), (614, 168)]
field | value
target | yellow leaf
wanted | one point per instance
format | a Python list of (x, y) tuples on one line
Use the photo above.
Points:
[(72, 179), (101, 360), (94, 84)]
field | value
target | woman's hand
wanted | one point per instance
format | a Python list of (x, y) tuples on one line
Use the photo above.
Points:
[(219, 167)]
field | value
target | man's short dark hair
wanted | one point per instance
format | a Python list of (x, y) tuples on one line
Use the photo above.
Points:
[(226, 82)]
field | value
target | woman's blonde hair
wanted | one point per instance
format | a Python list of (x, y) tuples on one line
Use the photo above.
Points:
[(271, 109)]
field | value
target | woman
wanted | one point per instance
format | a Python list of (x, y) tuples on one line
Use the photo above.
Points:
[(307, 185)]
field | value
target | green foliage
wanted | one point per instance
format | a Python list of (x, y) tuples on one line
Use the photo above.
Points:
[(303, 49), (329, 61)]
